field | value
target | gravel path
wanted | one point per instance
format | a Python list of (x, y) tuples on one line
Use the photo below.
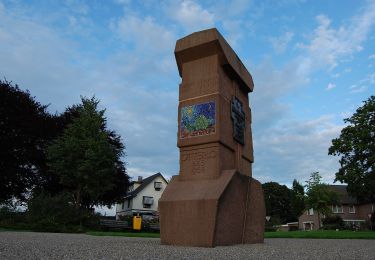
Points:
[(29, 245)]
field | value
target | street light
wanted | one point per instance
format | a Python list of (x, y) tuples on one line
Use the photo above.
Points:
[(268, 218)]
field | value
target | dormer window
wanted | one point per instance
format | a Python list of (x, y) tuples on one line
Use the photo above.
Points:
[(147, 201), (157, 185)]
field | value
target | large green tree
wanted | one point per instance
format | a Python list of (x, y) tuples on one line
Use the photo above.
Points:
[(26, 128), (319, 196), (278, 202), (87, 158), (356, 146), (297, 199)]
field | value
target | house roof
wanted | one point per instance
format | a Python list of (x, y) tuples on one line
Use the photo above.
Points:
[(344, 197), (144, 183)]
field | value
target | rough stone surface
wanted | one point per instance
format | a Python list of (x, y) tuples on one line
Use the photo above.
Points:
[(214, 200), (29, 245)]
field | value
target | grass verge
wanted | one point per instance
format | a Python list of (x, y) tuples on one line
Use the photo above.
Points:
[(15, 229), (123, 234), (327, 234)]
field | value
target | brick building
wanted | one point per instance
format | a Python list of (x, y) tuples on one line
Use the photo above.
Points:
[(349, 209)]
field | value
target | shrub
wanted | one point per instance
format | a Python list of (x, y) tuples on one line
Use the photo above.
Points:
[(333, 223), (10, 217), (58, 214)]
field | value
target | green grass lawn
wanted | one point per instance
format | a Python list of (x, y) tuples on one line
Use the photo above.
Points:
[(123, 234), (295, 234), (330, 234), (322, 234)]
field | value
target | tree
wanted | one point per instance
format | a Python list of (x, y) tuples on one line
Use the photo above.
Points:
[(25, 130), (278, 202), (319, 196), (297, 199), (87, 158), (356, 146)]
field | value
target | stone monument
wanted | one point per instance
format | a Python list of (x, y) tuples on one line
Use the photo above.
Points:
[(214, 200)]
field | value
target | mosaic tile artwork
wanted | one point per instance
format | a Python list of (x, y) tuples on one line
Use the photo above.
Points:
[(197, 120)]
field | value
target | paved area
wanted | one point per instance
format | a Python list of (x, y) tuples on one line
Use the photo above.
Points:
[(29, 245)]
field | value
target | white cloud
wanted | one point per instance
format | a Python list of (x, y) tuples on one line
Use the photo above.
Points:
[(330, 86), (272, 84), (280, 43), (127, 81), (308, 139), (234, 31), (357, 89), (191, 15), (371, 57), (36, 57), (363, 84), (297, 148), (77, 6), (328, 45), (145, 34)]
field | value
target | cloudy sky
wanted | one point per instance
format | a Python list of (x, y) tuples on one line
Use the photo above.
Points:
[(313, 63)]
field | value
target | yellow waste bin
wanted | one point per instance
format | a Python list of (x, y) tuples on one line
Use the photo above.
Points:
[(137, 222)]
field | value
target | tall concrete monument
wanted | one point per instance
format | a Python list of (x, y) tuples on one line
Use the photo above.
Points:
[(214, 200)]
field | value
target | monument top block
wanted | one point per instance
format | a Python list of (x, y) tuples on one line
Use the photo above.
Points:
[(210, 42)]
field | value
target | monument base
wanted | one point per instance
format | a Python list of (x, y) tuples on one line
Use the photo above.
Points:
[(224, 211)]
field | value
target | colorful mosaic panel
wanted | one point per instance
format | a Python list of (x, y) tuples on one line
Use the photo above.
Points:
[(197, 120)]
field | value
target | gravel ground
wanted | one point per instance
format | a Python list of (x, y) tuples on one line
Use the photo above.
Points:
[(29, 245)]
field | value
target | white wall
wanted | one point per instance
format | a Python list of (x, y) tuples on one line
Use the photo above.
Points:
[(137, 202), (149, 191)]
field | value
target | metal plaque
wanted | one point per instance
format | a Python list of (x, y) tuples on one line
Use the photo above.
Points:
[(238, 119)]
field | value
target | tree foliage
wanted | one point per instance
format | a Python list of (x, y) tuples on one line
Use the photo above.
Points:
[(297, 199), (319, 196), (356, 146), (87, 157), (278, 202), (25, 130)]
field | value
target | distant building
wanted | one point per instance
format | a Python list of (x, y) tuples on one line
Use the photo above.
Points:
[(352, 212), (143, 196)]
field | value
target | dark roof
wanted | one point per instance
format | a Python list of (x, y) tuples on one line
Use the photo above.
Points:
[(144, 183), (344, 197)]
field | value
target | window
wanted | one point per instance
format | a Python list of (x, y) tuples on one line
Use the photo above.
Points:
[(122, 205), (351, 209), (157, 185), (128, 203), (337, 209), (147, 201), (310, 212)]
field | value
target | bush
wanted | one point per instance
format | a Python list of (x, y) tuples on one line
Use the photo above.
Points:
[(333, 223), (58, 214), (149, 221), (271, 225), (10, 217), (270, 229)]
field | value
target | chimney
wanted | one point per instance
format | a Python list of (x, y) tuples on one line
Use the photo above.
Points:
[(139, 178)]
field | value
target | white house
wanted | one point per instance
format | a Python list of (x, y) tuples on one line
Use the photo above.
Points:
[(143, 196)]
